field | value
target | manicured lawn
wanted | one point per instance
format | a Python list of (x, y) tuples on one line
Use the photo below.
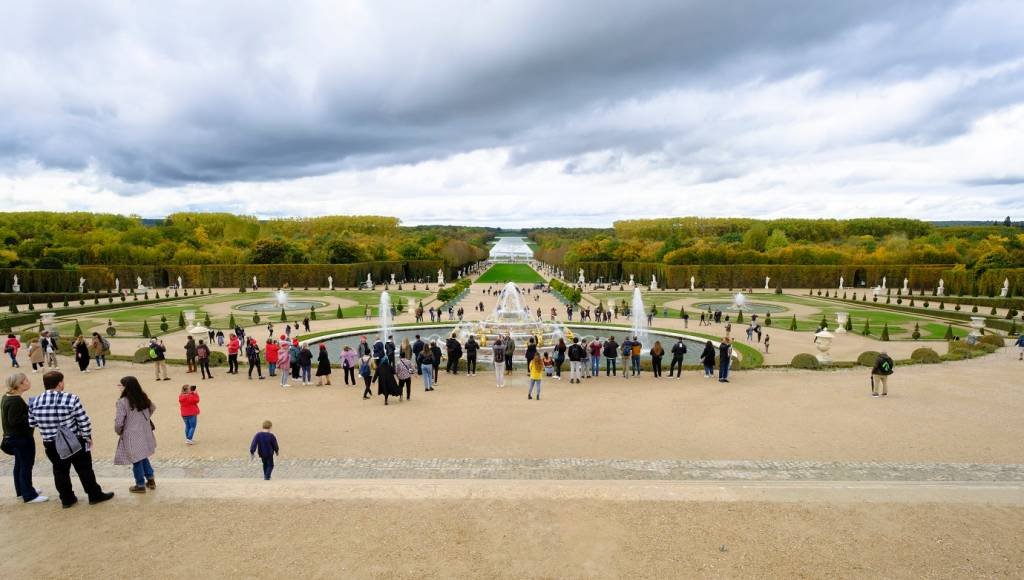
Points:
[(502, 273)]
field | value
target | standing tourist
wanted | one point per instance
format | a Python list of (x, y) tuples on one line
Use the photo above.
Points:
[(203, 358), (678, 353), (271, 350), (50, 348), (707, 358), (133, 423), (18, 440), (634, 357), (158, 352), (1019, 343), (363, 348), (188, 401), (417, 351), (657, 353), (427, 368), (436, 350), (366, 371), (284, 361), (471, 348), (293, 358), (252, 356), (11, 347), (510, 351), (233, 347), (405, 349), (190, 354), (724, 359), (305, 323), (454, 354), (265, 443), (348, 364), (585, 361), (36, 354), (100, 348), (627, 354), (531, 348), (768, 338), (306, 364), (576, 354), (323, 366), (384, 376), (404, 370), (560, 350), (536, 374), (220, 338), (66, 432), (611, 356), (498, 350), (880, 373), (595, 356)]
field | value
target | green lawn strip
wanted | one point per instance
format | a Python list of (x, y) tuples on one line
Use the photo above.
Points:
[(502, 273)]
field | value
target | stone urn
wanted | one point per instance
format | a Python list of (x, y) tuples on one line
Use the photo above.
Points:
[(190, 318), (978, 325), (47, 320), (823, 342), (841, 318)]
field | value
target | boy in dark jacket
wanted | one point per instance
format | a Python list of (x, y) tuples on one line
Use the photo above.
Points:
[(265, 443)]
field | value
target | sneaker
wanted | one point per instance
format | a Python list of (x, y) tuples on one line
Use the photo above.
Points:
[(874, 394), (69, 504), (102, 498), (39, 499), (885, 394), (285, 386), (136, 489), (151, 483), (190, 442), (167, 378)]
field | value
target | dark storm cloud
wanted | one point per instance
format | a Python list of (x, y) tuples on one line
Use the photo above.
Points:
[(193, 93)]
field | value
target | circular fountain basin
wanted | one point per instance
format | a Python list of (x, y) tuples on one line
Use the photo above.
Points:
[(275, 307), (439, 333), (759, 307)]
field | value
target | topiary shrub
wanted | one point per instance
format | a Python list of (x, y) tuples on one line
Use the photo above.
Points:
[(181, 319), (925, 355), (974, 309), (867, 327), (231, 320), (255, 317), (111, 331), (768, 319), (949, 332), (284, 316), (885, 332), (792, 323), (739, 318), (339, 313), (145, 329), (849, 324), (805, 361), (218, 358), (917, 332), (78, 330), (206, 320), (992, 339), (141, 355), (867, 358)]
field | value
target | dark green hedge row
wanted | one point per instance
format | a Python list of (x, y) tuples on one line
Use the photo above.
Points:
[(55, 297), (988, 283), (451, 291), (570, 293), (221, 275)]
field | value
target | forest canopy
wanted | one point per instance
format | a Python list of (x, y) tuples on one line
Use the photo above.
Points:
[(54, 240)]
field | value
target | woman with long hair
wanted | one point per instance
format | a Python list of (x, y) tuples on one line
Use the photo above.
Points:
[(708, 359), (82, 354), (536, 374), (18, 439), (323, 367), (657, 353), (134, 426)]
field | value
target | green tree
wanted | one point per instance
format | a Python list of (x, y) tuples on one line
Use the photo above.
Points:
[(756, 237), (276, 251), (181, 319), (949, 332), (792, 324), (867, 327), (231, 320), (776, 241), (78, 329), (145, 329), (344, 251), (284, 316), (885, 332)]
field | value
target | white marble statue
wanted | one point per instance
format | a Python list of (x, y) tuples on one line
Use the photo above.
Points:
[(941, 290), (15, 287), (179, 282), (81, 285), (884, 280), (766, 280), (393, 280), (440, 277), (841, 282), (330, 282), (138, 281), (631, 283), (1006, 288), (581, 280), (906, 283), (254, 283), (117, 284), (369, 281), (654, 283), (692, 281)]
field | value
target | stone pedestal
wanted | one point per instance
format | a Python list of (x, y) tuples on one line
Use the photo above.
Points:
[(823, 342), (841, 318), (16, 288)]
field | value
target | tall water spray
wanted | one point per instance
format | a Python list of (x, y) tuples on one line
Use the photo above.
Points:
[(639, 317), (384, 314), (282, 298)]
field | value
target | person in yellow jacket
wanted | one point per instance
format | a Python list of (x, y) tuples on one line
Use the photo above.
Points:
[(536, 373)]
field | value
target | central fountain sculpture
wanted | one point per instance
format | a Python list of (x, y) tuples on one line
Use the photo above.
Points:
[(282, 298), (512, 317)]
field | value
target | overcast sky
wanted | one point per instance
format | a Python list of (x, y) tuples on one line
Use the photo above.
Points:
[(515, 112)]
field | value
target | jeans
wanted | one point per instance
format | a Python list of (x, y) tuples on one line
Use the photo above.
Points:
[(723, 370), (14, 359), (609, 366), (268, 466), (677, 366), (82, 462), (499, 374), (204, 368), (428, 376), (595, 365), (471, 364), (349, 372), (575, 370), (142, 470), (284, 376), (307, 373), (558, 366), (233, 364), (534, 383), (709, 370), (190, 425), (272, 368), (101, 360), (636, 364), (24, 459)]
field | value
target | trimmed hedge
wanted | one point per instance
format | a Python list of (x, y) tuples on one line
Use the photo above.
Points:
[(570, 293), (450, 292), (925, 355), (805, 361), (868, 358)]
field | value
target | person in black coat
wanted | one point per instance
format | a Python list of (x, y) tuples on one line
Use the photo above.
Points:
[(417, 350), (454, 354), (471, 348), (724, 359), (436, 351), (531, 349), (323, 367), (611, 356), (678, 352), (708, 359), (82, 354), (387, 385)]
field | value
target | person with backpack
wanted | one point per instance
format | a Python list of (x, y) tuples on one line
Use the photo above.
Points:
[(634, 355), (366, 371), (293, 353), (611, 355), (678, 352), (575, 361), (436, 350), (11, 348), (306, 364), (100, 348), (498, 350), (627, 354), (203, 358), (559, 355), (157, 352), (595, 356), (252, 355), (190, 354), (880, 374), (49, 345), (454, 349), (417, 352), (510, 351)]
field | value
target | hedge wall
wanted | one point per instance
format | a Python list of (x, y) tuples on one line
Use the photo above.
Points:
[(55, 297), (220, 275), (989, 283)]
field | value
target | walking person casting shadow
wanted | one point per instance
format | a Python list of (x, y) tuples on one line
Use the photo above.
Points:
[(134, 426)]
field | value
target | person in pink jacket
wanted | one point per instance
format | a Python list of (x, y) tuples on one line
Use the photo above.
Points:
[(284, 361), (348, 363)]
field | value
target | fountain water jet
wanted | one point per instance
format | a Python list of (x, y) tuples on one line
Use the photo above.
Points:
[(639, 317), (384, 315), (282, 298)]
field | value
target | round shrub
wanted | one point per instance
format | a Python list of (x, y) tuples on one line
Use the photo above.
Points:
[(925, 355), (992, 339), (111, 331), (867, 358), (218, 359), (805, 361), (141, 355)]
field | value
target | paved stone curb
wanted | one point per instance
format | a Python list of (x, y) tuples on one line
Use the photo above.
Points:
[(572, 469)]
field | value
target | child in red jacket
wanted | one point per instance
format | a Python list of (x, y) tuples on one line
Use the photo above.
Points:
[(188, 400)]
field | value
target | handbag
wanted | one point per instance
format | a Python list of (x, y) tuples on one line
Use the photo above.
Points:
[(6, 447)]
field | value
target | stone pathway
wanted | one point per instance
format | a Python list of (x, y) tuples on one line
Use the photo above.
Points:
[(571, 469)]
